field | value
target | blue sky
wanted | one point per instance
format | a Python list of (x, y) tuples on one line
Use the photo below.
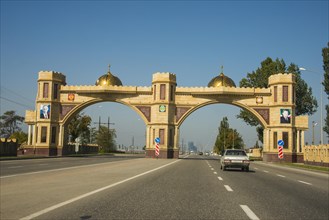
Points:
[(138, 38)]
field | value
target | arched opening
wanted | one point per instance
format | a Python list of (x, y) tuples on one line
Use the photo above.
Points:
[(127, 122), (199, 128)]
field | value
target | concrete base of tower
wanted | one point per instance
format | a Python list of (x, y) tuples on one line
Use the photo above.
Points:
[(164, 154), (287, 157)]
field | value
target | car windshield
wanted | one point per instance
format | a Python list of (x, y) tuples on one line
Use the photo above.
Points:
[(236, 153)]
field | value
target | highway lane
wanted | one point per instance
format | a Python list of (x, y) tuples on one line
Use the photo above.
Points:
[(14, 167), (191, 188)]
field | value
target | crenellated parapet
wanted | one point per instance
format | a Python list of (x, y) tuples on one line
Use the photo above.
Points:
[(282, 78), (52, 76)]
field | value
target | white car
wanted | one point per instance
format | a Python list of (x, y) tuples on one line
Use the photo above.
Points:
[(234, 158)]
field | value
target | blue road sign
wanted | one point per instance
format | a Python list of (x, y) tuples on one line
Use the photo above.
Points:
[(280, 142), (157, 140)]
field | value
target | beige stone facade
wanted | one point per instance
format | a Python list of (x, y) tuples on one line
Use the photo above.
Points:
[(164, 106)]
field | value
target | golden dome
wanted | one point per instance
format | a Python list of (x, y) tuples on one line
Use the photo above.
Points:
[(108, 80), (221, 80)]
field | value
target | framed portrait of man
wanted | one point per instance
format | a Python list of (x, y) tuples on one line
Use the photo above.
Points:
[(44, 111), (285, 116)]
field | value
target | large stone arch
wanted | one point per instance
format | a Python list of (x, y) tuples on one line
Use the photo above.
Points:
[(252, 111), (164, 106)]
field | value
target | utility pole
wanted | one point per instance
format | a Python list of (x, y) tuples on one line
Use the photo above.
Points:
[(100, 123)]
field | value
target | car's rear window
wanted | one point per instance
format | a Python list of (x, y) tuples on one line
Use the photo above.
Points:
[(236, 152)]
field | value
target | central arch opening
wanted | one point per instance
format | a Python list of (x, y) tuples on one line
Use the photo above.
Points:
[(200, 129)]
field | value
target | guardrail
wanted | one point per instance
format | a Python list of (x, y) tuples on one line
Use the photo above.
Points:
[(317, 155)]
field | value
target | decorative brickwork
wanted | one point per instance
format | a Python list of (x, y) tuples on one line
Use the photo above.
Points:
[(146, 110), (265, 113)]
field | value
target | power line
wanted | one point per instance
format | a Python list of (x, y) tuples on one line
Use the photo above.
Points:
[(17, 94), (16, 102)]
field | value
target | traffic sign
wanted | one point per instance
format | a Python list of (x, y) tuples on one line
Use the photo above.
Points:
[(280, 148), (280, 142), (157, 140)]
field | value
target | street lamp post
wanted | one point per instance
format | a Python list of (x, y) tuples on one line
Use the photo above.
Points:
[(313, 125), (321, 110)]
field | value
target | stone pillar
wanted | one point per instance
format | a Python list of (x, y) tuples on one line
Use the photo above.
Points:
[(303, 141), (298, 142), (29, 135)]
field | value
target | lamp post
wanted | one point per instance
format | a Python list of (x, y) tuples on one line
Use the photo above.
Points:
[(313, 125), (321, 107)]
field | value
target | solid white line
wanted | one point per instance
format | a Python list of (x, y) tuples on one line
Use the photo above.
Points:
[(280, 175), (250, 213), (14, 167), (304, 182), (60, 169), (51, 208), (228, 188), (220, 178)]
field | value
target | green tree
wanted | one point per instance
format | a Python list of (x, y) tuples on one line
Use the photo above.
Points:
[(325, 55), (305, 102), (79, 126), (106, 139), (9, 123), (227, 137), (20, 136)]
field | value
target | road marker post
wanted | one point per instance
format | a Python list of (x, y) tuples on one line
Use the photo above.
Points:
[(157, 150), (280, 149)]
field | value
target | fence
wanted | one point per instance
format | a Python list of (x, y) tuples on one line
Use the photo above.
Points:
[(8, 147), (317, 155)]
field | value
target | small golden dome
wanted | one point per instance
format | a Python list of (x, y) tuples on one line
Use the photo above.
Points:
[(221, 80), (108, 80)]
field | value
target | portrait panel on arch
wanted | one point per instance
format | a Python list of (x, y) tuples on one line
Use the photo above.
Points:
[(285, 116), (44, 111)]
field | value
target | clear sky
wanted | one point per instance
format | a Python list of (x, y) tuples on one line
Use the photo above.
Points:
[(138, 38)]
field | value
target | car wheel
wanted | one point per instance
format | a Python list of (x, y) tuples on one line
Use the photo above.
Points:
[(247, 169)]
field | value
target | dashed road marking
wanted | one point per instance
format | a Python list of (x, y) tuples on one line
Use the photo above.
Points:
[(250, 213), (212, 168), (265, 171), (220, 178), (228, 188), (304, 182), (280, 175), (215, 172)]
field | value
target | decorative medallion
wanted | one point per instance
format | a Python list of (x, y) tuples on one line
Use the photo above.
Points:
[(162, 108), (71, 97)]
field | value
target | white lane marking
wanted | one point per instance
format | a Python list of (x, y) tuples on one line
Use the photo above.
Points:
[(250, 213), (51, 208), (14, 167), (215, 172), (212, 168), (255, 168), (280, 175), (228, 188), (220, 178), (265, 171), (304, 182)]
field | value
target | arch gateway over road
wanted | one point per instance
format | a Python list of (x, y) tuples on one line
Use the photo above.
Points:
[(164, 106)]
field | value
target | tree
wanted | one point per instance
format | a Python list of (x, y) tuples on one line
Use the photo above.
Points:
[(20, 136), (325, 55), (79, 126), (227, 137), (305, 102), (9, 123), (106, 139)]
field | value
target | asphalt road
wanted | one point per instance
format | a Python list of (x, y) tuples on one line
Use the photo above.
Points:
[(190, 188)]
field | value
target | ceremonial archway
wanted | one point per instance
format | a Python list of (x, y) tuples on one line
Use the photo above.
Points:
[(163, 107)]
